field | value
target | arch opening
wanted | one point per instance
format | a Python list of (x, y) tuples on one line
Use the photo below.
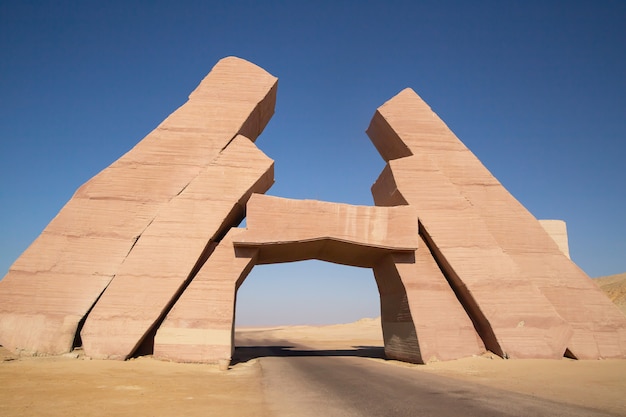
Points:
[(306, 308), (382, 239)]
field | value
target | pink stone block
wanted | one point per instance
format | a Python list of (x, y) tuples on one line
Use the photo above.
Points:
[(288, 230)]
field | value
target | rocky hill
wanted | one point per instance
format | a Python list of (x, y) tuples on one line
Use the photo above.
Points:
[(615, 287)]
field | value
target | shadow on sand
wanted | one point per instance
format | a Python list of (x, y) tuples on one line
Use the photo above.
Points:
[(246, 353)]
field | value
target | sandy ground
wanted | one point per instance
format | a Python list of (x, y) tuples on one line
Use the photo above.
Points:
[(68, 386), (597, 384), (62, 386), (594, 384)]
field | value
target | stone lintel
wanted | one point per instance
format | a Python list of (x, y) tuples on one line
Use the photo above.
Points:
[(286, 230)]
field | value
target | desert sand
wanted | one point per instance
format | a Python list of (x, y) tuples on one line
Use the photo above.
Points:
[(75, 385), (615, 287)]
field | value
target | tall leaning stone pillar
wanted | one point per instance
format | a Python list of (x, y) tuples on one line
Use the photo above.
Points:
[(200, 326), (525, 297), (137, 216), (422, 319)]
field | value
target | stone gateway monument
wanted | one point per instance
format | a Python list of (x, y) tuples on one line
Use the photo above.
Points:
[(147, 254)]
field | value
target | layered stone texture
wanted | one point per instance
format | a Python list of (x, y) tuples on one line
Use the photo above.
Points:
[(200, 326), (142, 220), (524, 296), (422, 319), (172, 247), (286, 230)]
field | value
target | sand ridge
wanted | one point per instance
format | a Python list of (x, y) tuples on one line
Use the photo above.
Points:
[(615, 287)]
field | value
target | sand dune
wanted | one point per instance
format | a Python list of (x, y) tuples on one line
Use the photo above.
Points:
[(615, 287)]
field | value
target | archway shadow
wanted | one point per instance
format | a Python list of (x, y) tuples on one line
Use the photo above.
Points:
[(246, 353)]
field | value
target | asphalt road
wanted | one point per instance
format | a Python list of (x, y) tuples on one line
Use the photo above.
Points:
[(351, 383)]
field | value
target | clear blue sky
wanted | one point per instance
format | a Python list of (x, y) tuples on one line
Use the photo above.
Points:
[(536, 89)]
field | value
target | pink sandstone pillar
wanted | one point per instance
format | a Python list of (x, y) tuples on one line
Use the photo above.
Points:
[(172, 248), (55, 282), (418, 303), (200, 326), (527, 298)]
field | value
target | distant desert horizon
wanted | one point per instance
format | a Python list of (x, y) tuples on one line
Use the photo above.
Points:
[(614, 286)]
